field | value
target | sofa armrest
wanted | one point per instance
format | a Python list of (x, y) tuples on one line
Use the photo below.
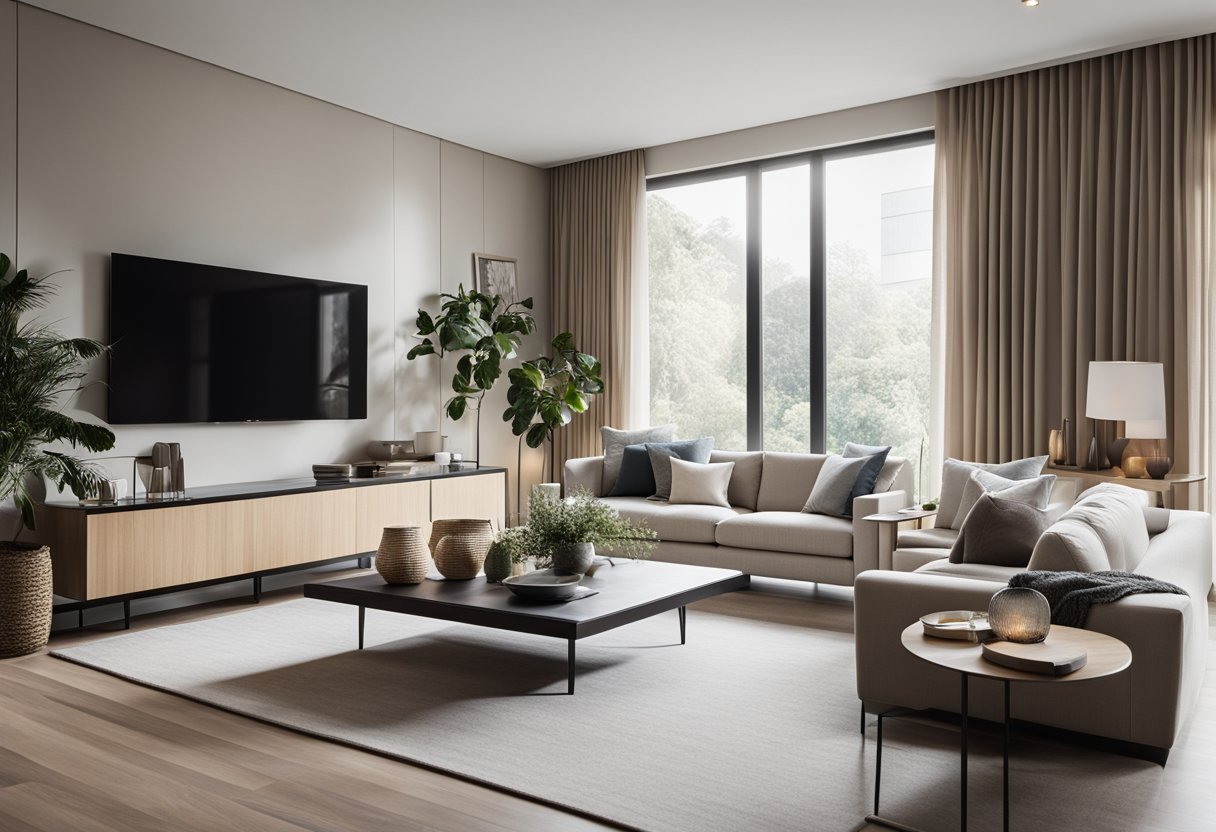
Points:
[(865, 534), (584, 472)]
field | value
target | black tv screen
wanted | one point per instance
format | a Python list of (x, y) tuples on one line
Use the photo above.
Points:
[(194, 343)]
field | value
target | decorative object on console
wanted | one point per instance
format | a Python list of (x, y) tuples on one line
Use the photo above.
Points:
[(168, 477), (1127, 391), (402, 557), (1156, 464), (558, 529), (1055, 447), (1066, 438), (496, 276), (459, 546), (443, 458), (333, 472), (38, 369), (1020, 614), (488, 329), (428, 442), (388, 450)]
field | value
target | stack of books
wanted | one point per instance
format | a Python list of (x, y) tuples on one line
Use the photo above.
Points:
[(333, 472)]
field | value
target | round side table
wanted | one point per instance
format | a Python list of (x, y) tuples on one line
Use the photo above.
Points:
[(1106, 656)]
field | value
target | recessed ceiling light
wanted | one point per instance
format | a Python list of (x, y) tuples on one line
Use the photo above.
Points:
[(1030, 3)]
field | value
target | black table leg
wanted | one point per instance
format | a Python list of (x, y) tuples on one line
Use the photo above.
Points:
[(683, 623), (362, 612), (570, 669), (963, 762), (257, 589), (876, 819), (1006, 772), (126, 615)]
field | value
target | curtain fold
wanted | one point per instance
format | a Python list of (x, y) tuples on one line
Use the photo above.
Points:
[(597, 210), (1075, 224)]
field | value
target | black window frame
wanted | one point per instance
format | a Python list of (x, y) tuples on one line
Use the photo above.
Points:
[(754, 265)]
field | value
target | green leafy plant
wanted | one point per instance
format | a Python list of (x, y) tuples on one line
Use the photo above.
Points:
[(487, 330), (581, 518), (39, 371), (546, 392)]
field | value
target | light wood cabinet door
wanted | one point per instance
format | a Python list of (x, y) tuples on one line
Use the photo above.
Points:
[(400, 504), (481, 497)]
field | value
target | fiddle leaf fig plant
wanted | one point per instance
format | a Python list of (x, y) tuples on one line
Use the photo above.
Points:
[(38, 369), (546, 392), (487, 330)]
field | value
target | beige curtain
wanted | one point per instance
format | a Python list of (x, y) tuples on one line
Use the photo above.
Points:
[(598, 242), (1075, 212)]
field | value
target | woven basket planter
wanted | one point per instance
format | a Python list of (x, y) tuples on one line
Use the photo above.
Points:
[(460, 547), (403, 557), (25, 598)]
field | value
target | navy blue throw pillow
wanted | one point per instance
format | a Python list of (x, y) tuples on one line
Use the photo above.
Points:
[(869, 472), (636, 478)]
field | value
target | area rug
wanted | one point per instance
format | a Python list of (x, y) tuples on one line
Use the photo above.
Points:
[(753, 725)]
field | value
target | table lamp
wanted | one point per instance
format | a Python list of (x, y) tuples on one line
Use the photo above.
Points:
[(1158, 464), (1124, 391)]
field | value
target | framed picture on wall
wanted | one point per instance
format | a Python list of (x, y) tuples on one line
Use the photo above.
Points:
[(494, 275)]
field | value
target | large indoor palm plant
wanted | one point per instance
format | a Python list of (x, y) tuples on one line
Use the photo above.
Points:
[(39, 371)]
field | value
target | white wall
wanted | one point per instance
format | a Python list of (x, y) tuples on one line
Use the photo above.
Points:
[(127, 147), (874, 121)]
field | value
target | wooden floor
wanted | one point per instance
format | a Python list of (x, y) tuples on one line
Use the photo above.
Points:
[(84, 751)]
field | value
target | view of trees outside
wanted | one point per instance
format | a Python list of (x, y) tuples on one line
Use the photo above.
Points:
[(878, 306)]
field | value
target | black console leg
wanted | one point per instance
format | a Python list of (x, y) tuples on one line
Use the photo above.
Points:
[(570, 669), (362, 612), (80, 619), (126, 615), (257, 589), (365, 563)]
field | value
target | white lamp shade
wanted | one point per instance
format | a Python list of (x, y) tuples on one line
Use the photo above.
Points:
[(1130, 391), (1145, 429)]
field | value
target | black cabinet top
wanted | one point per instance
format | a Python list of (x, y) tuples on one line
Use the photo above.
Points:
[(271, 488)]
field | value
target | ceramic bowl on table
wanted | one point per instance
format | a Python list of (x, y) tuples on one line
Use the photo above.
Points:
[(543, 585)]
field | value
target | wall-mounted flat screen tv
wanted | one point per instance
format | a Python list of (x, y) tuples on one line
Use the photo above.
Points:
[(194, 343)]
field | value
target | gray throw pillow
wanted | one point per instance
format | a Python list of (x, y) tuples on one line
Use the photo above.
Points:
[(614, 448), (833, 488), (956, 472), (689, 450), (1035, 491), (869, 472), (1000, 532)]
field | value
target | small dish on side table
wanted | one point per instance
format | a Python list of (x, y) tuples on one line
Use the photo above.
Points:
[(963, 625)]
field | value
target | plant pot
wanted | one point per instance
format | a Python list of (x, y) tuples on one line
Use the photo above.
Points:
[(25, 598), (459, 547), (498, 563), (402, 557), (576, 558)]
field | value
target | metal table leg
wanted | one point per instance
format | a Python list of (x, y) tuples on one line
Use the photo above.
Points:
[(1005, 800), (683, 620), (570, 669), (963, 761), (875, 818), (362, 612)]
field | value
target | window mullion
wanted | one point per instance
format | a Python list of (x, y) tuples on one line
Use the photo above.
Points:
[(755, 315), (818, 329)]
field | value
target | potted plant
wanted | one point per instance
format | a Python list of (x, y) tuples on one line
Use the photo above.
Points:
[(38, 369), (487, 330), (563, 534)]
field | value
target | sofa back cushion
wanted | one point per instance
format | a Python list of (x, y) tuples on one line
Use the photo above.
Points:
[(787, 481), (745, 478), (956, 473), (1105, 529)]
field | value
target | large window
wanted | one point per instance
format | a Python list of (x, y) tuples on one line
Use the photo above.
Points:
[(790, 299)]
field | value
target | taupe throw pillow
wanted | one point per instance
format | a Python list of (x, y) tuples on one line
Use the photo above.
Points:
[(614, 448), (834, 486), (1000, 532), (695, 483), (1035, 491), (955, 473)]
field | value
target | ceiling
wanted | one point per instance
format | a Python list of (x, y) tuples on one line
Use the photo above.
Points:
[(550, 81)]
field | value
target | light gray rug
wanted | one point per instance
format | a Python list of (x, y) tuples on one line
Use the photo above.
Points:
[(753, 725)]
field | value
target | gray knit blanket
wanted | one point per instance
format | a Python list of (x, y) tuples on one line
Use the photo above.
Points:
[(1071, 594)]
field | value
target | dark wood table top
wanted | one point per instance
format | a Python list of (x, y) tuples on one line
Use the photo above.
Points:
[(626, 592)]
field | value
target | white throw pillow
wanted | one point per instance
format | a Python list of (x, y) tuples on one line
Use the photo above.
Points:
[(700, 483), (834, 485), (956, 473), (1034, 492)]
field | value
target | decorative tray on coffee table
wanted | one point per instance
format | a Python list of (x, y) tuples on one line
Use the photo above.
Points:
[(964, 625)]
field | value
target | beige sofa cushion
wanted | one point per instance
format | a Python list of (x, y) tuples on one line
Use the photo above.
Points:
[(927, 538), (1105, 529), (787, 481), (789, 531), (680, 523), (982, 571), (910, 560), (745, 478)]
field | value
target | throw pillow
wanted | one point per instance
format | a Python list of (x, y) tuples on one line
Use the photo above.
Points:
[(636, 477), (615, 442), (999, 532), (689, 450), (1036, 492), (868, 477), (703, 484), (831, 493), (956, 472)]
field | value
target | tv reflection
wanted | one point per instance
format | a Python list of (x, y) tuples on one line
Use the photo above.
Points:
[(333, 360)]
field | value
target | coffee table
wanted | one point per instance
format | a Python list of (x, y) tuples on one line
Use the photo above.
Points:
[(625, 592)]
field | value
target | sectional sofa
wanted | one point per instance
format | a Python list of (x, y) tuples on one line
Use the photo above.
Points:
[(1146, 705), (764, 532)]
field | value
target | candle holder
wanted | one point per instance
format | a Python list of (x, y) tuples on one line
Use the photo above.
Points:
[(1020, 614)]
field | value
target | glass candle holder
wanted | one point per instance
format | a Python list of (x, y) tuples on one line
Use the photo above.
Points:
[(1020, 614)]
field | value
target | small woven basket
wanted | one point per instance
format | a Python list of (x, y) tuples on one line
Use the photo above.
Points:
[(460, 547), (26, 597), (403, 557)]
